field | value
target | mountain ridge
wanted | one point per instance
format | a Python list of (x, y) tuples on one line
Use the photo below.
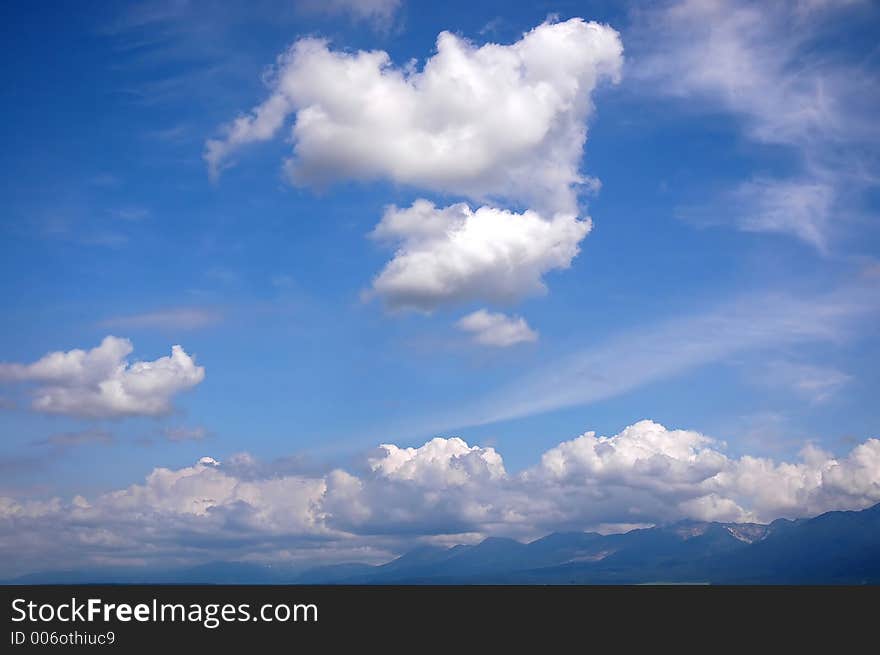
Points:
[(837, 547)]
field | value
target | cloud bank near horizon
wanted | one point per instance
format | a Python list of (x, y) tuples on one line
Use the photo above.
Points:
[(444, 491)]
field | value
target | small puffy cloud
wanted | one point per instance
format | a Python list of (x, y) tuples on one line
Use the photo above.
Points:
[(444, 490), (490, 121), (496, 329), (102, 383), (455, 255)]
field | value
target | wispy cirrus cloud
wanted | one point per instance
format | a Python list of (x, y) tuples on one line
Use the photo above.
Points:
[(813, 382), (378, 13), (758, 62), (634, 358), (175, 318)]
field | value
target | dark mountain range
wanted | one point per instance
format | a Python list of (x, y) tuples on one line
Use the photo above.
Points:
[(834, 548)]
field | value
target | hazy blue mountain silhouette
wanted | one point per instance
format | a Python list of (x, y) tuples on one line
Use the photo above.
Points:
[(834, 548)]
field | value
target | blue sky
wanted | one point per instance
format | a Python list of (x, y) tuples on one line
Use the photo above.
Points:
[(728, 285)]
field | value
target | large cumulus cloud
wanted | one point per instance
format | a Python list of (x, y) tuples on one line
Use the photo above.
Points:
[(492, 121)]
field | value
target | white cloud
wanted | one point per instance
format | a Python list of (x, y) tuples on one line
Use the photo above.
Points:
[(446, 488), (199, 490), (441, 462), (758, 62), (754, 60), (496, 329), (454, 255), (501, 123), (494, 121), (643, 454), (101, 382), (804, 207)]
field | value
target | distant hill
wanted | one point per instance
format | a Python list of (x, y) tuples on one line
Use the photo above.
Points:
[(834, 548)]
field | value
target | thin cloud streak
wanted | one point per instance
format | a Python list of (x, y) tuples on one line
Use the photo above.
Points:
[(179, 318), (640, 357)]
